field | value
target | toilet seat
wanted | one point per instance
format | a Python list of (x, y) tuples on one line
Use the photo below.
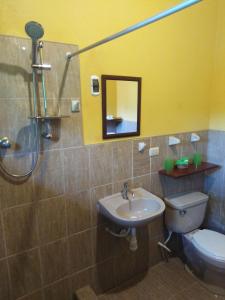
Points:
[(211, 244)]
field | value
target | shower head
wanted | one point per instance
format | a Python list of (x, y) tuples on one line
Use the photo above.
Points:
[(34, 30)]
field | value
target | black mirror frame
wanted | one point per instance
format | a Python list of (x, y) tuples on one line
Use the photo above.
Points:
[(104, 78)]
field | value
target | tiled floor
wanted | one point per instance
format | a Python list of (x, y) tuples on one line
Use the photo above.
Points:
[(165, 281)]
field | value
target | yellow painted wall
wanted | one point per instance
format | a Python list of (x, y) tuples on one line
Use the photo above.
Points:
[(217, 108), (174, 56)]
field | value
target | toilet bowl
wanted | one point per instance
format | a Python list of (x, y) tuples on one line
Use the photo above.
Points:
[(209, 244), (204, 249)]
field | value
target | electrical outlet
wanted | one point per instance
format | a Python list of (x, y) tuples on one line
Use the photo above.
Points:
[(75, 105), (154, 151)]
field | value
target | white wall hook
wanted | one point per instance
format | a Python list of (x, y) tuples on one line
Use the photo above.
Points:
[(174, 140), (195, 137), (141, 146)]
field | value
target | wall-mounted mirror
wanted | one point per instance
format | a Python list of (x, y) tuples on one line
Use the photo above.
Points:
[(121, 106)]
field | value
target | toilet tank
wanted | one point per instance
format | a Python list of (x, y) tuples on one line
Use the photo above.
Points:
[(185, 212)]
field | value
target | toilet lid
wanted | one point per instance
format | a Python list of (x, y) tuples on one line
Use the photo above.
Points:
[(211, 243)]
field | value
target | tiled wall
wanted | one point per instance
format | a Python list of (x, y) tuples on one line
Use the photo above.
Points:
[(215, 182), (52, 240)]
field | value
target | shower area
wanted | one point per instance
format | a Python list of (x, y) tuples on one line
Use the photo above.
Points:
[(34, 159), (35, 97)]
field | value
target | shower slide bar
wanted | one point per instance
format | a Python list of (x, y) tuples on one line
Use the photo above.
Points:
[(137, 26)]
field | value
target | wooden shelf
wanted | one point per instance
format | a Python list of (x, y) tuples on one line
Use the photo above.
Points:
[(178, 173), (115, 120)]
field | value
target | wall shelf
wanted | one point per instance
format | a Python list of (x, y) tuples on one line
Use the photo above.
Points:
[(191, 170)]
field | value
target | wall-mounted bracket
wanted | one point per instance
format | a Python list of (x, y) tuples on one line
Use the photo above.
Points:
[(174, 141), (141, 146), (195, 137)]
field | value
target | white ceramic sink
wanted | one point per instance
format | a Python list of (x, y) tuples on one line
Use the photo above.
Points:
[(144, 207)]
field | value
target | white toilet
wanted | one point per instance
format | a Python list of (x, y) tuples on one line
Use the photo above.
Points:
[(204, 249)]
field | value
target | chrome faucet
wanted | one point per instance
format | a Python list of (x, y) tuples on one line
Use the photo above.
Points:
[(125, 192)]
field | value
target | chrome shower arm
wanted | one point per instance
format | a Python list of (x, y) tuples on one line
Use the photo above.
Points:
[(137, 26)]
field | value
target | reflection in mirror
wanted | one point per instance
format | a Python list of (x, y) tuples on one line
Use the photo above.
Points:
[(121, 106)]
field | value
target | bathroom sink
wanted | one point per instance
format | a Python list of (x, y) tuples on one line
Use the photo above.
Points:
[(141, 210)]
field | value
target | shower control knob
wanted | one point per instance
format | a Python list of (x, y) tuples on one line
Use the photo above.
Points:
[(4, 143), (182, 212)]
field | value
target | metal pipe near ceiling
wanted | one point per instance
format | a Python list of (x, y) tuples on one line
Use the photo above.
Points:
[(137, 26)]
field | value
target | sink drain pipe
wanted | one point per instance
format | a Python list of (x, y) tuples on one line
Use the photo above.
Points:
[(133, 245), (130, 234)]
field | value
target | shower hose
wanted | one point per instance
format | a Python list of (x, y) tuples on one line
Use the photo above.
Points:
[(34, 163)]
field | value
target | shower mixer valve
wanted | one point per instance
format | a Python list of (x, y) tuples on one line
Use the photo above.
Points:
[(5, 143)]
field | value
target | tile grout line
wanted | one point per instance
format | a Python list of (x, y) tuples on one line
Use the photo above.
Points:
[(6, 255), (39, 248)]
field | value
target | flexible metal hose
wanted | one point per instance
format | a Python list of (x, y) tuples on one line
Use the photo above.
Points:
[(21, 176)]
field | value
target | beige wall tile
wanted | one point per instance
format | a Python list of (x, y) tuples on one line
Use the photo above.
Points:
[(71, 131), (59, 291), (20, 228), (48, 175), (188, 148), (63, 81), (51, 217), (2, 240), (142, 181), (96, 194), (202, 145), (76, 164), (15, 194), (122, 160), (81, 279), (101, 164), (15, 125), (54, 258), (25, 273), (118, 186), (67, 132), (141, 160), (156, 185), (78, 211), (34, 296), (157, 161), (15, 67), (4, 281), (80, 249)]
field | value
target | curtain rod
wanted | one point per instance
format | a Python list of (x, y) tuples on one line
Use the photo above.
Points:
[(137, 26)]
